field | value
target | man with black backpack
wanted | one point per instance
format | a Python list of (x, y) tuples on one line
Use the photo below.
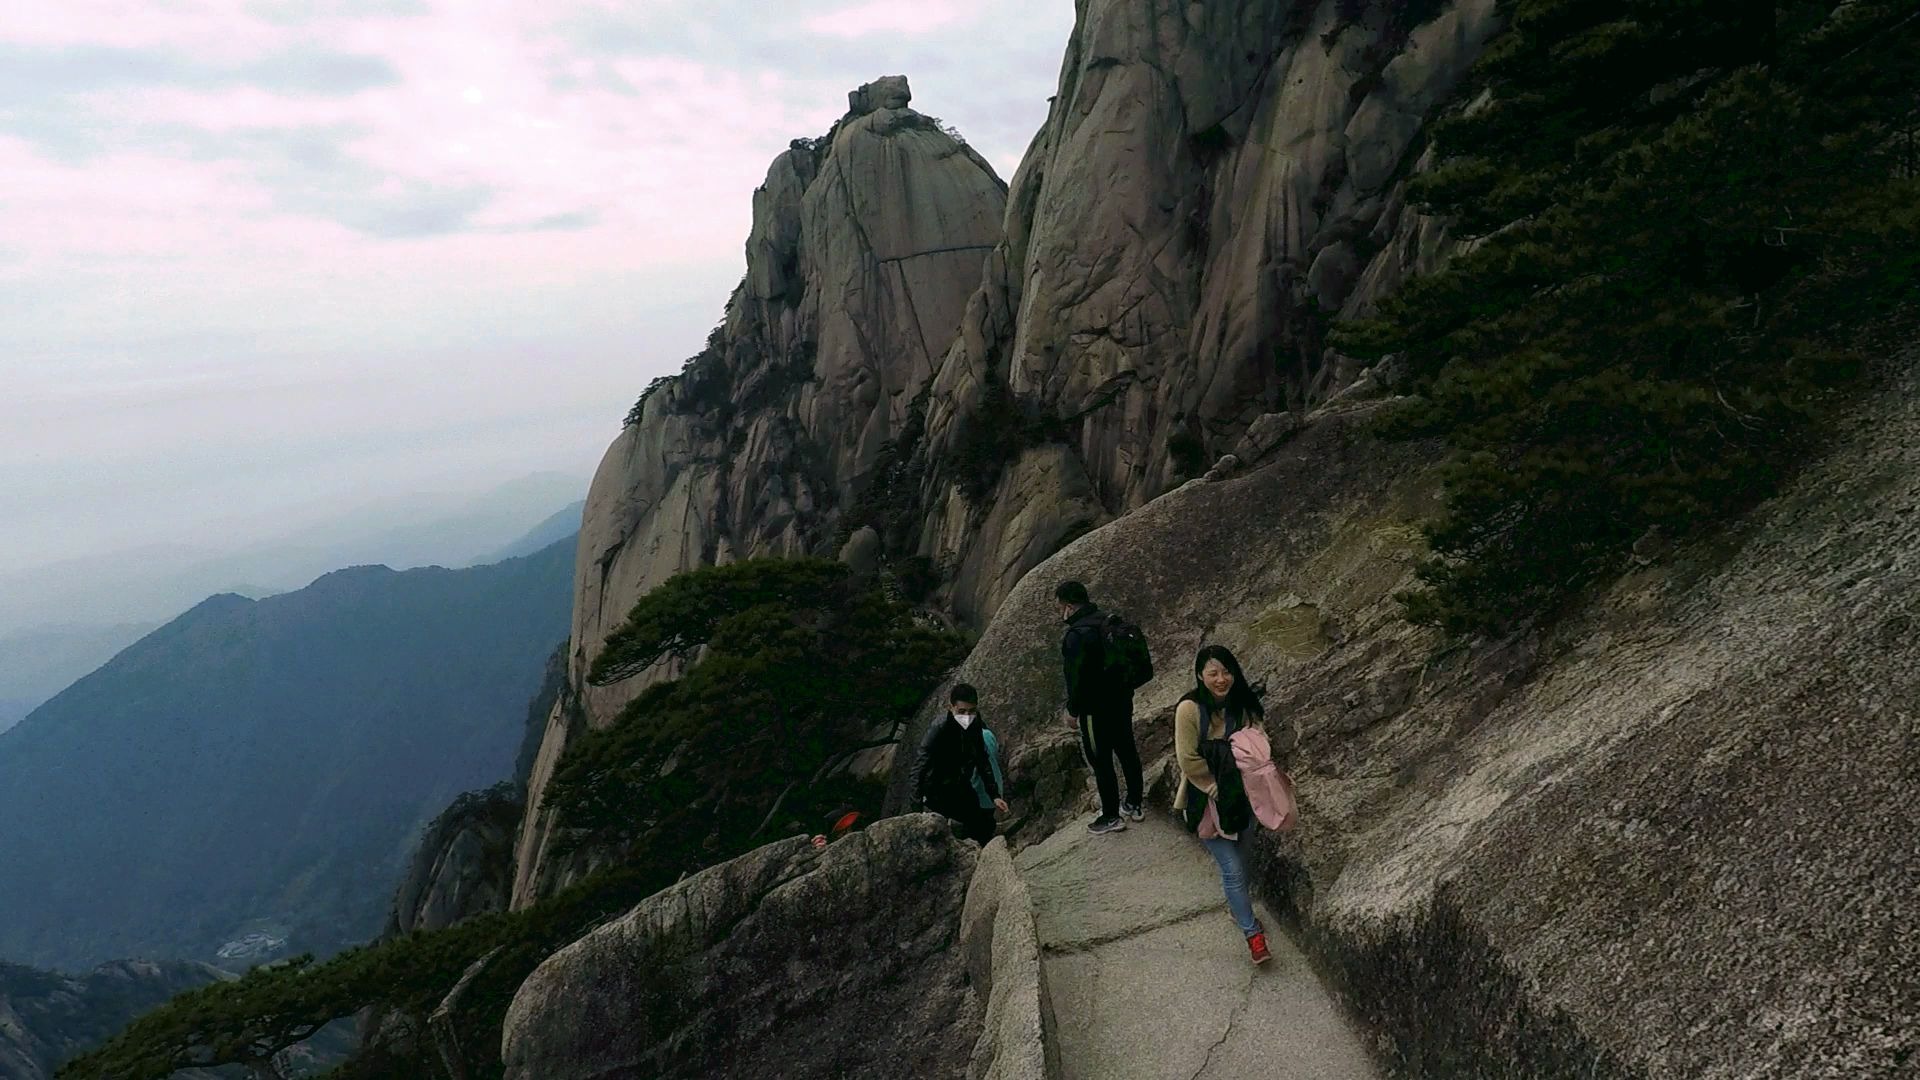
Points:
[(1106, 660)]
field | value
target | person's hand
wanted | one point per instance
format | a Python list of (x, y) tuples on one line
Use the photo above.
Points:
[(1072, 720), (1000, 805), (819, 841)]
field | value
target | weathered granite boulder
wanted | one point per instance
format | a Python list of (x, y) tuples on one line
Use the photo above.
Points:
[(890, 92), (1002, 948), (786, 961), (1672, 837)]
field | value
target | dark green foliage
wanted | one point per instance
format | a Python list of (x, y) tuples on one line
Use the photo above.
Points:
[(267, 760), (1188, 453), (800, 662), (889, 500), (52, 1017), (1209, 144), (1689, 207), (918, 576), (992, 437), (683, 614), (704, 385)]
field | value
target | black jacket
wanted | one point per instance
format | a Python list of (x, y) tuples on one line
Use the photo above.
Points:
[(1084, 658), (950, 757)]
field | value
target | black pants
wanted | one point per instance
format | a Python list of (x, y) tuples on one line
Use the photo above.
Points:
[(1103, 736), (973, 821)]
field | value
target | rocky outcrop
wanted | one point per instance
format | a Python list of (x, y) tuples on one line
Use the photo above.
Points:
[(45, 1018), (464, 864), (1213, 186), (864, 248), (1002, 948), (982, 374), (1671, 837), (787, 961)]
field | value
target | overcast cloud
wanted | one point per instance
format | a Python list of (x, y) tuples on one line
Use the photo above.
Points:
[(258, 259)]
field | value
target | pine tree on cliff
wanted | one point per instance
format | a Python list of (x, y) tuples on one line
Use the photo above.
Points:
[(1683, 209)]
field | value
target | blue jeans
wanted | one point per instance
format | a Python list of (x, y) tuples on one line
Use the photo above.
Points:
[(1233, 879)]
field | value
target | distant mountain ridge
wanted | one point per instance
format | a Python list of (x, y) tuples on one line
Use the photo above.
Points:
[(561, 525), (158, 581), (40, 663), (46, 1018), (266, 766)]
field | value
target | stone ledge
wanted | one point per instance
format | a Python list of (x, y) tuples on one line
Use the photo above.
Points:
[(1002, 951)]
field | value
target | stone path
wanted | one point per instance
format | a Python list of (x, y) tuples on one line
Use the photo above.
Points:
[(1150, 979)]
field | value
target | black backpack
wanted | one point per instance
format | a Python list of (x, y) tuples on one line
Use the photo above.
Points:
[(1125, 660)]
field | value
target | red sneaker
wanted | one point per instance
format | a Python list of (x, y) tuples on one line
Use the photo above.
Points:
[(1257, 944)]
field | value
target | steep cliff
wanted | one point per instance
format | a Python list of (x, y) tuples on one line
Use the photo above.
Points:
[(463, 865), (979, 377), (864, 247), (1213, 186)]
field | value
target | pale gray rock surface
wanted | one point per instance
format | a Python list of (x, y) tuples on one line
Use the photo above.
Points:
[(1150, 978), (786, 961), (1673, 837), (1018, 1037), (1159, 275), (864, 247), (1214, 184)]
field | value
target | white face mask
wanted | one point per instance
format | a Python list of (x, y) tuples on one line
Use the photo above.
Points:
[(965, 720)]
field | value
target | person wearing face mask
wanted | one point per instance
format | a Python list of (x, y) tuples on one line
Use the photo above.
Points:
[(954, 768), (1211, 799)]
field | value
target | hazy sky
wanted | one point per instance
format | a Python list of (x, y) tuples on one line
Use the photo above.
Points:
[(262, 258)]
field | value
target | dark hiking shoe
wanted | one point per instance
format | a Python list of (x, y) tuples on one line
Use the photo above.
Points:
[(1257, 945), (1107, 824), (1132, 812)]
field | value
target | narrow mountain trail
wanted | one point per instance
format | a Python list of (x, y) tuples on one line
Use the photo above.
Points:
[(1150, 979)]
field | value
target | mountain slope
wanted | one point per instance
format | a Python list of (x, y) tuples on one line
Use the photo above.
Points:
[(158, 581), (39, 663), (561, 525), (265, 766), (47, 1018), (1208, 192)]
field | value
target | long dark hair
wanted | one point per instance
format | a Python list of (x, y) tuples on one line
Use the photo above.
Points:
[(1243, 698)]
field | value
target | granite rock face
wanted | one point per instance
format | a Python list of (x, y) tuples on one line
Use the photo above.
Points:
[(787, 961), (982, 373), (464, 865), (1215, 184), (1671, 837), (864, 247)]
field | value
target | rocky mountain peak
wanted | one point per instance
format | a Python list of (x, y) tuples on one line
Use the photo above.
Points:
[(888, 92), (982, 372), (865, 246)]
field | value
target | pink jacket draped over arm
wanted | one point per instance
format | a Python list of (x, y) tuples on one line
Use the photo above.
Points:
[(1268, 789)]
